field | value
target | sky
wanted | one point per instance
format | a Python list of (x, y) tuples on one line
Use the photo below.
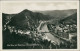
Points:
[(16, 7)]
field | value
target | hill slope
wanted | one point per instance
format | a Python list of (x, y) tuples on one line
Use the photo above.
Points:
[(27, 19), (72, 19)]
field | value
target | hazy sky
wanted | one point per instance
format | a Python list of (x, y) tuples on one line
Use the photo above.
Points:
[(16, 7)]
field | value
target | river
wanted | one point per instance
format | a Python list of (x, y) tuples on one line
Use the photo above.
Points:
[(49, 35)]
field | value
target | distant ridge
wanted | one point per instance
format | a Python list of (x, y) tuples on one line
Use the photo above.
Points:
[(59, 14)]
